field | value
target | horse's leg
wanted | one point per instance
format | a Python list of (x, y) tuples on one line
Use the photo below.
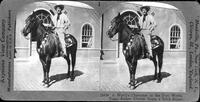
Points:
[(66, 57), (130, 72), (155, 65), (68, 62), (48, 60), (134, 66), (73, 56), (44, 69), (160, 62)]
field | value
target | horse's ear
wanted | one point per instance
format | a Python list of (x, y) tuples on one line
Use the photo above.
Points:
[(118, 14), (33, 13), (139, 13), (52, 12)]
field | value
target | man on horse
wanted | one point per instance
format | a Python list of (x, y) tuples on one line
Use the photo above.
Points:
[(147, 24), (61, 24)]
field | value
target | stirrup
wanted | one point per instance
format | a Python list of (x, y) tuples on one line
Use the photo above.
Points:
[(57, 53), (147, 55), (154, 47)]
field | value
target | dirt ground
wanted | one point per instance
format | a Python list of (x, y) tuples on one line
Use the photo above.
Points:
[(95, 75)]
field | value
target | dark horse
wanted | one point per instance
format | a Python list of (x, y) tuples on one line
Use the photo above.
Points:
[(133, 47), (49, 46)]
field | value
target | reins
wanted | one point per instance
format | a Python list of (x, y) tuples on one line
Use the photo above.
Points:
[(115, 39)]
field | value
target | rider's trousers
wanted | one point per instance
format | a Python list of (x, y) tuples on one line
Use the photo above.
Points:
[(61, 33), (147, 35)]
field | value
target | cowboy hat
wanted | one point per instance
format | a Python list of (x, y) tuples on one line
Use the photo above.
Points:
[(60, 6), (145, 7)]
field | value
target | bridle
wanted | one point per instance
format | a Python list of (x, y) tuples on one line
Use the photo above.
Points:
[(29, 23), (117, 30)]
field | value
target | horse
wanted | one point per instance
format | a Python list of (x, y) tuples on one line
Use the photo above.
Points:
[(134, 47), (49, 46)]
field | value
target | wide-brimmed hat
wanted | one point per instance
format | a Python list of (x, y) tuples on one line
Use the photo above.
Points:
[(60, 6), (145, 7)]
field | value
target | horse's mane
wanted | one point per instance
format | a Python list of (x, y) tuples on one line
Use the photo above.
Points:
[(125, 24), (40, 22)]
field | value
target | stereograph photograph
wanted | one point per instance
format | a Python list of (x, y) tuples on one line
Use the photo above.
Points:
[(100, 50)]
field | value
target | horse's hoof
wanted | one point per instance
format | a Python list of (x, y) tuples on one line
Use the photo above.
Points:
[(48, 86), (44, 81), (72, 79), (159, 81), (43, 84), (154, 79), (132, 87), (68, 75), (131, 83), (129, 86)]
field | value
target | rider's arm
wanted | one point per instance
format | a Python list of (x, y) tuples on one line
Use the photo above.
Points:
[(66, 22), (140, 22), (53, 21), (153, 23)]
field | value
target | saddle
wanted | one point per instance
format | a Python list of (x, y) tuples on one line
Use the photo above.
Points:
[(155, 43), (142, 44), (44, 42)]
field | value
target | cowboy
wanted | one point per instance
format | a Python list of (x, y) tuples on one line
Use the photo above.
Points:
[(61, 24), (147, 24)]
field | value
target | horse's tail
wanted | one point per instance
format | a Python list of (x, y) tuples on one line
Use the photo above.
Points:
[(155, 38), (70, 39)]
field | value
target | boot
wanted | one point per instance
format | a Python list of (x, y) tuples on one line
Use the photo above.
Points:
[(149, 56), (57, 53), (155, 44)]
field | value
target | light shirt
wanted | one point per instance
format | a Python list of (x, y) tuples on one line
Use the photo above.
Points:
[(62, 22), (148, 24)]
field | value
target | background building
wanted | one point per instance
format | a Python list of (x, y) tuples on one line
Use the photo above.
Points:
[(171, 27), (85, 24), (90, 21)]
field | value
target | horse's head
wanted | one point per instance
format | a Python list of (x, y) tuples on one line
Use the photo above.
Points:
[(30, 24), (115, 26)]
